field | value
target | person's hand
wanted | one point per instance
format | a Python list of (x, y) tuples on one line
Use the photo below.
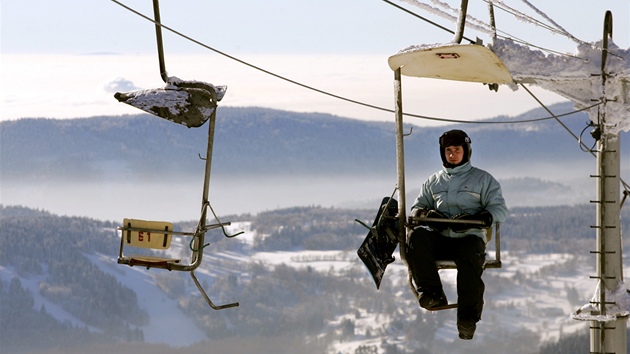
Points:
[(433, 214), (417, 212), (484, 216)]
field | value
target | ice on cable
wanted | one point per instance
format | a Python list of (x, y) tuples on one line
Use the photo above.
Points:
[(575, 76)]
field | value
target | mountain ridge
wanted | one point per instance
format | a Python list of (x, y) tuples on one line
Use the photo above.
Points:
[(114, 167), (263, 142)]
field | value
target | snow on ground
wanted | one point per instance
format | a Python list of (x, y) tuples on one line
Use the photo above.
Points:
[(530, 291), (322, 261), (539, 304), (165, 315), (167, 324)]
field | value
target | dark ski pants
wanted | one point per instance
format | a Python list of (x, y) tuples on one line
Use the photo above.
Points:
[(425, 247)]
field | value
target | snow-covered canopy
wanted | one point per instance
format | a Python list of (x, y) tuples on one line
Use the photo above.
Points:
[(578, 77)]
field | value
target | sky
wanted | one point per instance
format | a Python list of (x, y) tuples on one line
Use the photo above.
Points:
[(66, 59)]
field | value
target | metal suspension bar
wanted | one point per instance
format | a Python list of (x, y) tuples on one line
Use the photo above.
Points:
[(198, 243), (205, 296), (492, 19), (400, 171), (400, 155), (461, 22), (158, 35)]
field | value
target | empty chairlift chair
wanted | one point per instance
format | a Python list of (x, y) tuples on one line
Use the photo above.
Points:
[(189, 103)]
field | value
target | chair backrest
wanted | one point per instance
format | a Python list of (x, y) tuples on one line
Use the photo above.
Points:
[(147, 234)]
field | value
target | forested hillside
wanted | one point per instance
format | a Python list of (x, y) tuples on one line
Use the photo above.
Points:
[(53, 248), (49, 256), (560, 229)]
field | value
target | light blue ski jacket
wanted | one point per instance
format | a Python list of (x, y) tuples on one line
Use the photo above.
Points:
[(463, 189)]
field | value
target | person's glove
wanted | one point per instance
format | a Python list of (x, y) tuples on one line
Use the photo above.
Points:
[(434, 225), (484, 216)]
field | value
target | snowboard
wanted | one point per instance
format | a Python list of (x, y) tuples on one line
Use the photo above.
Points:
[(377, 249)]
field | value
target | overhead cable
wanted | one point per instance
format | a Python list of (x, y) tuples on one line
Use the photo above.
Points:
[(471, 22), (482, 26), (446, 120), (555, 28), (426, 20), (552, 116), (246, 63), (558, 30), (582, 145), (544, 15)]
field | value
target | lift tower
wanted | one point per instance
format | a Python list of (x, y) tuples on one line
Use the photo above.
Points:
[(597, 79), (608, 309)]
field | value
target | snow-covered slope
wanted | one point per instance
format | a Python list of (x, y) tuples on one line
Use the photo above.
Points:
[(531, 298), (531, 292)]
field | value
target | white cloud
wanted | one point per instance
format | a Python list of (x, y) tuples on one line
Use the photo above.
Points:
[(119, 84)]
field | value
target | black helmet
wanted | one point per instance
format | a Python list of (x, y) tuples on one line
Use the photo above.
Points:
[(455, 138)]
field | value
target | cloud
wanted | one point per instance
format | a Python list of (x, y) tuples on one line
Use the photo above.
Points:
[(119, 84)]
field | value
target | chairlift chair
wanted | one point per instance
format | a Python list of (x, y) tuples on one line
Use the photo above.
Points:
[(190, 103), (451, 61)]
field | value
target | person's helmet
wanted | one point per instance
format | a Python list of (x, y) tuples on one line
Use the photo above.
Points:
[(455, 138)]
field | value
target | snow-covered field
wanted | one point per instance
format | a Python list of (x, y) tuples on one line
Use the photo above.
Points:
[(533, 292)]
